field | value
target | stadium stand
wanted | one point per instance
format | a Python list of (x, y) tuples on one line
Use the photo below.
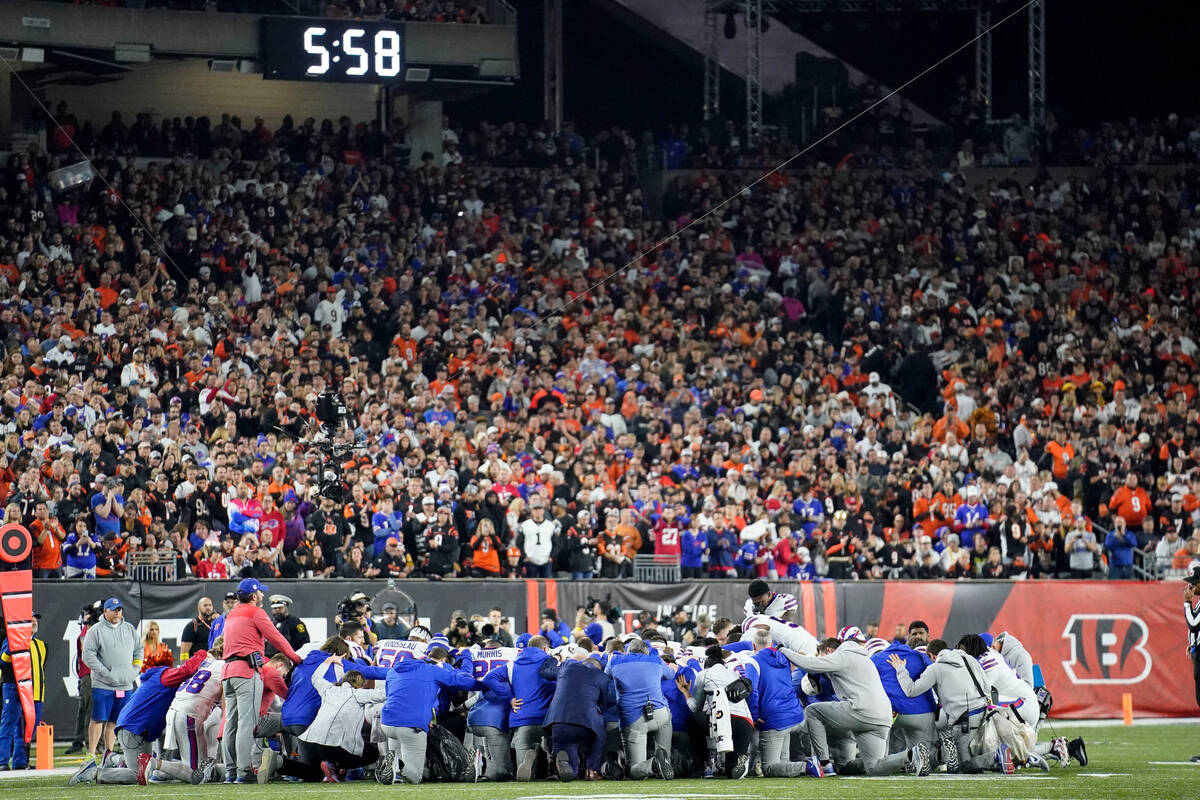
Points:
[(844, 371)]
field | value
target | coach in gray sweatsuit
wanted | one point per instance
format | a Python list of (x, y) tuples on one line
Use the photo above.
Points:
[(112, 650), (961, 698), (863, 712)]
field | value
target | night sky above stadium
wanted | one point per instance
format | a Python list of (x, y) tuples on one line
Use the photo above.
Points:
[(1106, 60)]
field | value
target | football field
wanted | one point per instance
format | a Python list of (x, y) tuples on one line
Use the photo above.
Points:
[(1144, 761)]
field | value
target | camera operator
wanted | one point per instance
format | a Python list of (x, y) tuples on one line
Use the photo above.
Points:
[(88, 617), (247, 629), (460, 634), (356, 608)]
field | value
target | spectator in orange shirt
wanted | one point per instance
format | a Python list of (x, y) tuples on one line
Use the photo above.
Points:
[(1061, 452), (48, 535), (630, 535), (950, 424), (1131, 503)]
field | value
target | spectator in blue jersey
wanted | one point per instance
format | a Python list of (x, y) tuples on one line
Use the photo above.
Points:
[(108, 506), (780, 716), (645, 718), (439, 413), (915, 716), (141, 723), (808, 512), (79, 548), (386, 522), (1120, 544), (971, 517), (529, 694), (685, 468), (693, 547), (722, 549), (413, 686), (575, 718), (746, 557)]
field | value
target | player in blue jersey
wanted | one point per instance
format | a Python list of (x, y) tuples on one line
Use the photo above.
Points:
[(141, 723)]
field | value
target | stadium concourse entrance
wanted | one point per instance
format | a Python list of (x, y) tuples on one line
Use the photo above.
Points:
[(1094, 640)]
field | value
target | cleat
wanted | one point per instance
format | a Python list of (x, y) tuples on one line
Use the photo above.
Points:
[(1004, 761), (1195, 759), (611, 768), (383, 771), (562, 766), (331, 774), (480, 765), (662, 760), (244, 779), (919, 760), (742, 768), (1078, 751), (269, 765), (143, 762), (205, 773), (528, 762), (949, 752), (812, 767), (230, 776), (1058, 749), (1036, 761), (159, 777), (85, 774)]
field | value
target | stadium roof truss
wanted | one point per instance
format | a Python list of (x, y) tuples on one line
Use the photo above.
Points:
[(752, 12)]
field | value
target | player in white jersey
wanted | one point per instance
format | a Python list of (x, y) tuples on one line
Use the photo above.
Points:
[(1018, 695), (194, 704), (784, 633), (767, 603)]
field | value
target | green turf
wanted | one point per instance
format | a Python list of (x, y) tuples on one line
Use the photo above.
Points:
[(1124, 751)]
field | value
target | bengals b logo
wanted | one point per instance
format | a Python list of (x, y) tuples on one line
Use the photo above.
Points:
[(1107, 648)]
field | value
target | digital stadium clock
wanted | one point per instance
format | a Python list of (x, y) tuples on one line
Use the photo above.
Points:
[(333, 50)]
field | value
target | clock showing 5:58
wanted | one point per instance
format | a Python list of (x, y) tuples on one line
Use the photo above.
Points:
[(301, 49)]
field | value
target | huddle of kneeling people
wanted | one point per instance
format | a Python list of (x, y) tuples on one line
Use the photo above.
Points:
[(775, 703)]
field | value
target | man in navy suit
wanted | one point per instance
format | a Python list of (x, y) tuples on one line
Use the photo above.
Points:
[(575, 719)]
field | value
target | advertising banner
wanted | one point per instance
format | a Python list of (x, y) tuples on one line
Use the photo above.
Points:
[(1094, 640)]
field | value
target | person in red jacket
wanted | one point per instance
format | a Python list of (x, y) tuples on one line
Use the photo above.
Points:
[(247, 629)]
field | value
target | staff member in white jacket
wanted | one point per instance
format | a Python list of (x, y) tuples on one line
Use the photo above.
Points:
[(335, 736), (863, 713)]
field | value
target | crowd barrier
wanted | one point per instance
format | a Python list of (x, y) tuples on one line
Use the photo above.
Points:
[(1094, 640)]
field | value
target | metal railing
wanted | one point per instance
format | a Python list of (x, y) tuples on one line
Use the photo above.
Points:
[(152, 566), (656, 569)]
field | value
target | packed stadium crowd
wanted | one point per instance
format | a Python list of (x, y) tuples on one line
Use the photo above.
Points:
[(254, 700), (469, 12), (833, 373)]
